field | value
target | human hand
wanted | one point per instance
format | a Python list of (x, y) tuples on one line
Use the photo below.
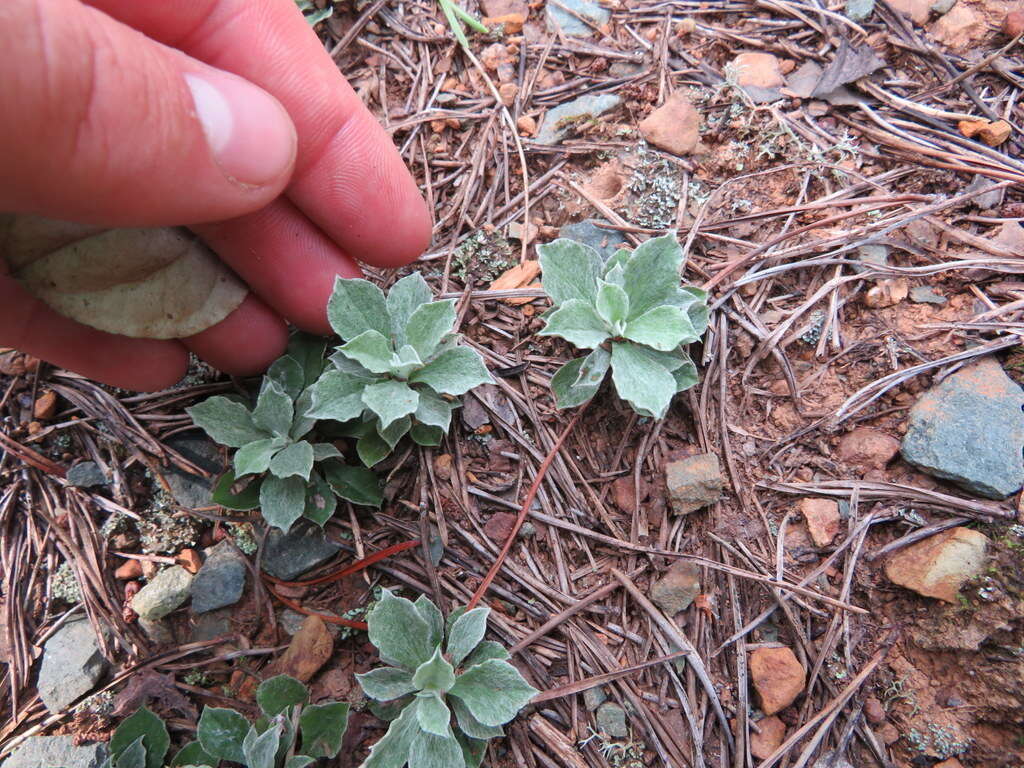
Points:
[(224, 112)]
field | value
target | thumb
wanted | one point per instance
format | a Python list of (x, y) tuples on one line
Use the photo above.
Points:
[(100, 124)]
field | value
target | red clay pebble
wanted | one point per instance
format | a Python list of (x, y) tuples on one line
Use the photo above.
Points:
[(1013, 24), (874, 711), (45, 407), (190, 560), (129, 570), (500, 526)]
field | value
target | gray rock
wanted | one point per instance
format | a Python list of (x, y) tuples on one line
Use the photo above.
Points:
[(942, 6), (872, 254), (289, 555), (970, 429), (54, 751), (605, 241), (830, 759), (221, 580), (194, 490), (679, 587), (291, 621), (72, 665), (611, 720), (570, 24), (594, 698), (988, 199), (86, 474), (694, 482), (559, 121), (157, 630), (923, 294), (168, 590), (211, 625)]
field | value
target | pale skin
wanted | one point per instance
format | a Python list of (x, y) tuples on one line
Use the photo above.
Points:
[(225, 115)]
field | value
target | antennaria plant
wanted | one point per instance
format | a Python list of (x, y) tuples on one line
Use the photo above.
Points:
[(295, 474), (632, 312), (291, 733), (447, 689), (400, 369)]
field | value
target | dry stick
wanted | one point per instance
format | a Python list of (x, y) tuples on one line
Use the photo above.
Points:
[(837, 703), (592, 682), (623, 544), (525, 509), (679, 639)]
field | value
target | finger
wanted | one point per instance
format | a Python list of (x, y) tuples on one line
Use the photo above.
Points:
[(349, 179), (289, 262), (111, 127), (29, 325), (245, 342)]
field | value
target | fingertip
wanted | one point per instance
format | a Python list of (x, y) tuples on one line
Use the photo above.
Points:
[(244, 343)]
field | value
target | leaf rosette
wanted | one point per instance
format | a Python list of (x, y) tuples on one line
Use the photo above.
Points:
[(446, 690), (634, 315)]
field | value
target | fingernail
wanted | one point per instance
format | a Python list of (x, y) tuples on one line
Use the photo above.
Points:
[(249, 133)]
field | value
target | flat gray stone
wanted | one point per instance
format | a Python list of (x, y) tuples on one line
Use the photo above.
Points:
[(221, 580), (72, 665), (605, 241), (56, 752), (210, 625), (558, 122), (168, 590), (289, 555), (594, 698), (194, 490), (872, 254), (86, 474), (923, 294), (679, 587), (569, 23), (611, 720), (969, 429)]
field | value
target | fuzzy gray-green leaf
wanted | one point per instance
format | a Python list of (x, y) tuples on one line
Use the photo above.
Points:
[(494, 691), (428, 750), (432, 615), (392, 749), (612, 304), (274, 409), (433, 410), (386, 683), (221, 732), (226, 421), (487, 650), (391, 400), (640, 380), (569, 271), (254, 458), (371, 350), (563, 384), (664, 328), (469, 725), (433, 714), (338, 395), (323, 727), (399, 632), (193, 754), (466, 633), (288, 374), (356, 484), (355, 306), (405, 297), (435, 674), (685, 375), (133, 756), (279, 693), (282, 500), (146, 726), (428, 325), (294, 460), (651, 274), (261, 749), (578, 323), (453, 372)]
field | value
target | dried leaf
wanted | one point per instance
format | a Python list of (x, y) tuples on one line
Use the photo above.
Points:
[(147, 283), (146, 685), (520, 276), (850, 64)]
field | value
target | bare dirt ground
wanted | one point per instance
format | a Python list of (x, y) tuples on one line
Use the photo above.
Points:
[(783, 207)]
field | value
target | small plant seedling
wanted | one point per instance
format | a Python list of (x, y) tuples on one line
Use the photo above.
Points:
[(632, 312), (400, 370), (291, 733), (295, 475), (447, 690)]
